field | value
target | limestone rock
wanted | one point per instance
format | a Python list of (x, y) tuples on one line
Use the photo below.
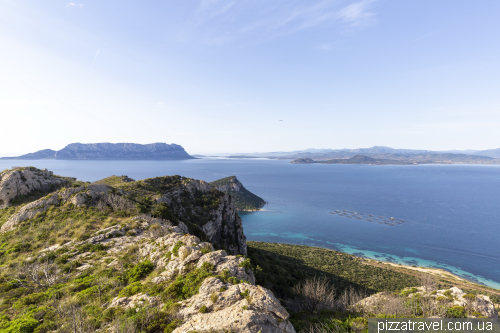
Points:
[(29, 211), (480, 303), (23, 181), (259, 311), (135, 301)]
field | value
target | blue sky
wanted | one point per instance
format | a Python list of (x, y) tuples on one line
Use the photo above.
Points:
[(219, 75)]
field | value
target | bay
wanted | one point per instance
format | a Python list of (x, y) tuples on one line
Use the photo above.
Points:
[(450, 212)]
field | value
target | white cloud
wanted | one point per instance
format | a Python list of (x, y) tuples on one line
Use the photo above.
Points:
[(222, 21), (72, 4), (356, 13)]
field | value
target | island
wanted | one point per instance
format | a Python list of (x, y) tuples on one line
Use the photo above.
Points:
[(111, 151)]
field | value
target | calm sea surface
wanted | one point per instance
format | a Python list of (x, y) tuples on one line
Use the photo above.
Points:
[(451, 212)]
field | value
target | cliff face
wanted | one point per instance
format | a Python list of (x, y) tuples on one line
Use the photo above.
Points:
[(215, 213), (244, 200), (111, 151)]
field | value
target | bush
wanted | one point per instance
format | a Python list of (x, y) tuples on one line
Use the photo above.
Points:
[(203, 309), (131, 290), (139, 271), (456, 312), (22, 325), (246, 264)]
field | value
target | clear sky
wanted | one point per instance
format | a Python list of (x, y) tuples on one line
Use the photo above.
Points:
[(250, 75)]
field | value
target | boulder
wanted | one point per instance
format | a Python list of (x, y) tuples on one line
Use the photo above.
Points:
[(235, 308)]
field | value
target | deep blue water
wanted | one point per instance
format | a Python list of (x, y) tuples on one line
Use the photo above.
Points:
[(451, 211)]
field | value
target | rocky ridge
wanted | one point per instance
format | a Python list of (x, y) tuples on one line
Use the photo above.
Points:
[(217, 220)]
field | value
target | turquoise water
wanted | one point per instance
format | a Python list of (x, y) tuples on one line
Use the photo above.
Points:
[(450, 212)]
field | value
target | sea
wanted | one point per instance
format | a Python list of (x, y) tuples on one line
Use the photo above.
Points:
[(440, 216)]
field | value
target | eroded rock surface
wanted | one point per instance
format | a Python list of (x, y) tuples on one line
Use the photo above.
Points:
[(14, 183), (237, 308)]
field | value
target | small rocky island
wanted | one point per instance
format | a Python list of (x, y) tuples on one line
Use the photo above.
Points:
[(110, 151), (244, 200)]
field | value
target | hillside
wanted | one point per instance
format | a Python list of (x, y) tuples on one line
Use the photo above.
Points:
[(111, 151), (244, 200), (168, 254)]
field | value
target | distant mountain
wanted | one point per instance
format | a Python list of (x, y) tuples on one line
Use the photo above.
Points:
[(495, 153), (39, 155), (386, 158), (357, 159), (111, 151), (381, 152), (244, 200)]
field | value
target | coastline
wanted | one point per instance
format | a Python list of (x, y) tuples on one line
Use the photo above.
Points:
[(436, 272)]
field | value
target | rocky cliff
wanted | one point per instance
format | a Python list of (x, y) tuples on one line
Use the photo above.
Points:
[(244, 200), (125, 258), (112, 151)]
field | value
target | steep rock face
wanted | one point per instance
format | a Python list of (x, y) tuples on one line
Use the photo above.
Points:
[(23, 181), (127, 151), (223, 228)]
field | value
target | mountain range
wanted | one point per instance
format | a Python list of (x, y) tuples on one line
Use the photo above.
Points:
[(374, 152)]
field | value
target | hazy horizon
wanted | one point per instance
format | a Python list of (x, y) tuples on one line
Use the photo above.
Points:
[(256, 152)]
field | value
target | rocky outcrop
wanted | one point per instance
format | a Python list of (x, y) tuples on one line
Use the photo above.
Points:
[(22, 181), (29, 211), (244, 200), (450, 297), (224, 228), (80, 196), (224, 307)]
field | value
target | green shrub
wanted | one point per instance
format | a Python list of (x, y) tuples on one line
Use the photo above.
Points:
[(22, 325), (176, 248), (246, 264), (131, 289), (456, 312), (203, 309), (139, 271)]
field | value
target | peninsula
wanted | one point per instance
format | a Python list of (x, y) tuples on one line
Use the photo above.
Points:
[(110, 151)]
